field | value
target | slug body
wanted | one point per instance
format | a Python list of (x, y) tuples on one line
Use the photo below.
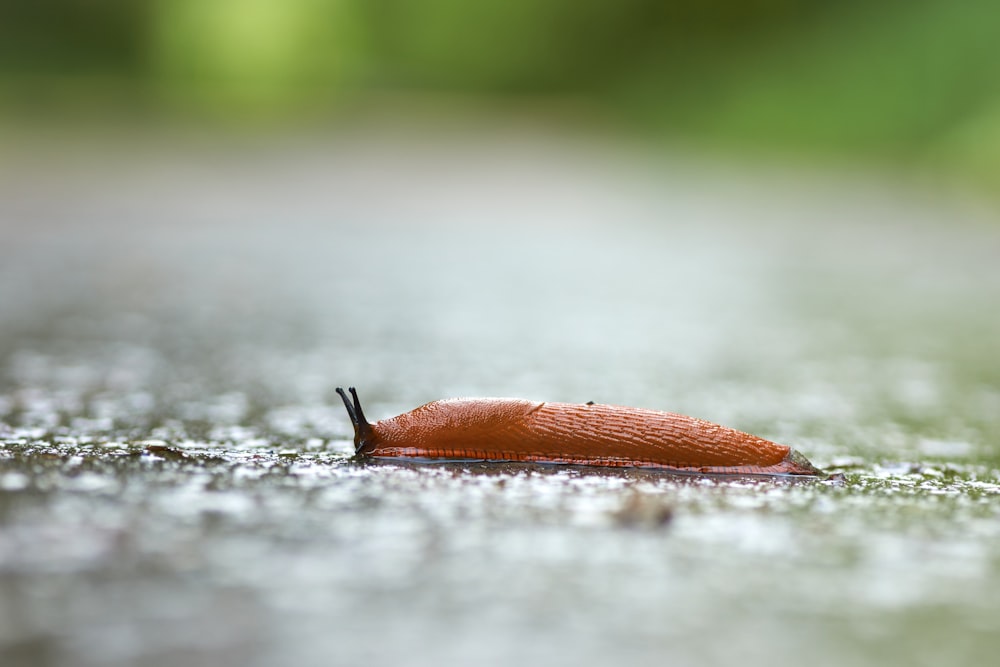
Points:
[(508, 429)]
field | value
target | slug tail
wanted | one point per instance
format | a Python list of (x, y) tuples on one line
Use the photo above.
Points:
[(800, 465), (364, 436)]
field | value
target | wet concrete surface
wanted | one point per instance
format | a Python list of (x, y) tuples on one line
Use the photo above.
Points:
[(176, 484)]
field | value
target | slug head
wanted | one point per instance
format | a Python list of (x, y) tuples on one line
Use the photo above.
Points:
[(364, 436)]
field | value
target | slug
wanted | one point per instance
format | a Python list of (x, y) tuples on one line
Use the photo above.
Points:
[(590, 434)]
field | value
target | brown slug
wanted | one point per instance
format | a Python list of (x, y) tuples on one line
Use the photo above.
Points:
[(511, 429)]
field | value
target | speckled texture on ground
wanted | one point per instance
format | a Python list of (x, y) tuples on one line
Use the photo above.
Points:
[(175, 480)]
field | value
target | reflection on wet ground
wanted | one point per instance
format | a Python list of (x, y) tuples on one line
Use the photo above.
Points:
[(176, 484)]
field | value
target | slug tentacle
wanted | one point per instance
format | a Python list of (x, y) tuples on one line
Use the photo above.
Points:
[(363, 434)]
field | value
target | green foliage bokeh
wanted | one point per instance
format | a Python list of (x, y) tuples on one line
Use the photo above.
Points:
[(915, 80)]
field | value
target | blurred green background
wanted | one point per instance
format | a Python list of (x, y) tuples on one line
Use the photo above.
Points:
[(911, 83)]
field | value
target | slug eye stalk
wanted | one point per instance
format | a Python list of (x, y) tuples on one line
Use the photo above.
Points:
[(362, 429)]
